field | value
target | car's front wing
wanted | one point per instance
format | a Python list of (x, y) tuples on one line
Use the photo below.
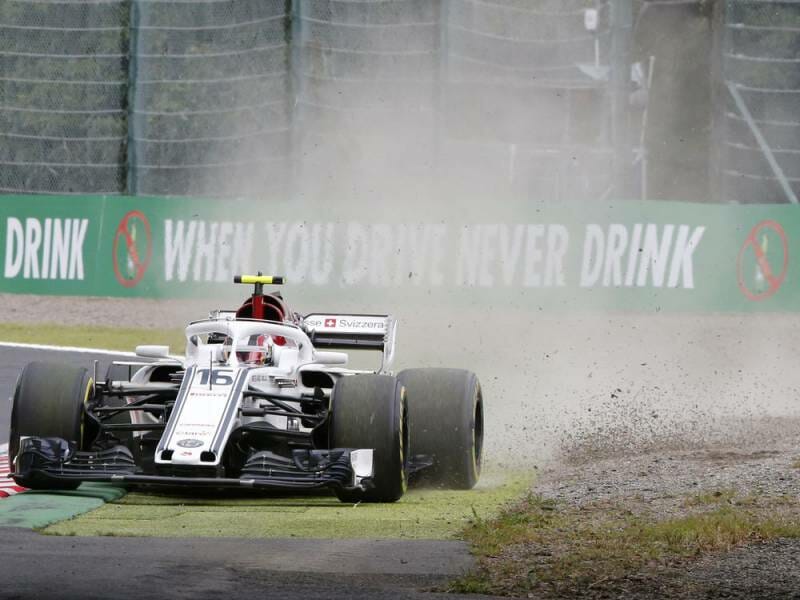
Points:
[(48, 462)]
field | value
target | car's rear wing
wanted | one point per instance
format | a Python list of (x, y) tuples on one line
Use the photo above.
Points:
[(353, 332)]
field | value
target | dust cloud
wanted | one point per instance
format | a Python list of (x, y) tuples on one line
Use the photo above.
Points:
[(584, 385)]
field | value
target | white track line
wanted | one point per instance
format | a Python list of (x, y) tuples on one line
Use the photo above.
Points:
[(65, 349)]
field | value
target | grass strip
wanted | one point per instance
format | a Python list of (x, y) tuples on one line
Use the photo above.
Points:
[(547, 549), (109, 338), (420, 514)]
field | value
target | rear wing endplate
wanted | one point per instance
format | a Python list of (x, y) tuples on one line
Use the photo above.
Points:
[(353, 332)]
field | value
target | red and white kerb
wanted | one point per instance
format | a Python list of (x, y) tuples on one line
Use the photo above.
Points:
[(7, 485)]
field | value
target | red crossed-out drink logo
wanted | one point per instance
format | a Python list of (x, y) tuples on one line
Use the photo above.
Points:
[(766, 278), (330, 322), (132, 251)]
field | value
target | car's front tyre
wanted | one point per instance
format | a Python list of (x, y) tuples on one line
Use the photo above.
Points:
[(49, 401), (370, 411)]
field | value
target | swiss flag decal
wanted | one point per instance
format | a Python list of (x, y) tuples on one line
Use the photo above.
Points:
[(330, 322)]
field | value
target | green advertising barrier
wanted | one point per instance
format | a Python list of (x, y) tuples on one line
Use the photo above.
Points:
[(615, 255)]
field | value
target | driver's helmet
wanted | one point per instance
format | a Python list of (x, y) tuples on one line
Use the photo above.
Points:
[(257, 350)]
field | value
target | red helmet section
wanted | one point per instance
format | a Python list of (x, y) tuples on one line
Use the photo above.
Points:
[(274, 309)]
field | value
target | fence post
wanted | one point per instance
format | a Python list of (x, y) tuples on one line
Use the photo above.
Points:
[(621, 31), (132, 128), (440, 102)]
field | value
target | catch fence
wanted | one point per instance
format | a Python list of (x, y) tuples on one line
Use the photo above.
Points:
[(520, 99), (527, 91), (63, 96), (252, 97), (210, 97), (366, 95), (760, 127)]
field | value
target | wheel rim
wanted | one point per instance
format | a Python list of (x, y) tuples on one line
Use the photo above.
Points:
[(404, 440), (477, 433), (87, 395)]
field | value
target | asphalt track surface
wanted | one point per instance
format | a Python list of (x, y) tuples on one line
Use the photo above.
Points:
[(34, 566)]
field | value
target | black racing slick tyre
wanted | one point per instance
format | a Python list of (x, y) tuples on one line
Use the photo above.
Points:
[(446, 418), (49, 402), (369, 411)]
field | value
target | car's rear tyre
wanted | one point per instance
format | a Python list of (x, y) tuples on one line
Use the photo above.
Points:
[(49, 401), (369, 411), (446, 418)]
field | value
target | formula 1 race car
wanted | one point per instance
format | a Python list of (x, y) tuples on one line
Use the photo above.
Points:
[(262, 399)]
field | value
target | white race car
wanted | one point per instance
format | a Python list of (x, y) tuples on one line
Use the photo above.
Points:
[(262, 399)]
